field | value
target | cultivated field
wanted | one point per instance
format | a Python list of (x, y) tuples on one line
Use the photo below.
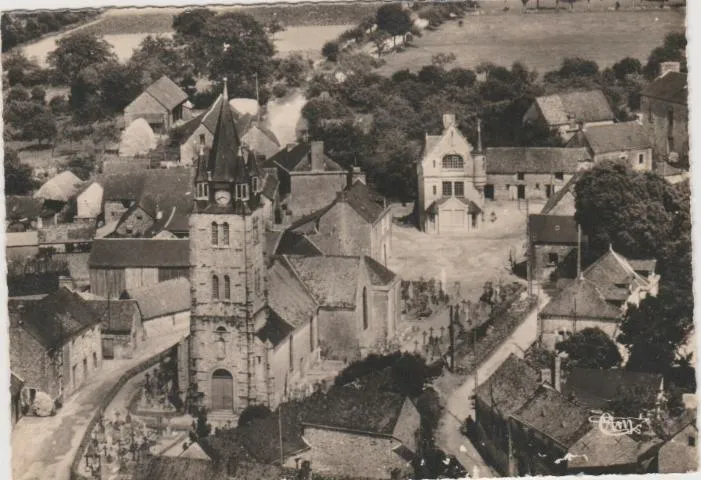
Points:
[(542, 40)]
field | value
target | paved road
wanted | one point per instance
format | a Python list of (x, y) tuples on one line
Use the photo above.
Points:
[(44, 448), (458, 405)]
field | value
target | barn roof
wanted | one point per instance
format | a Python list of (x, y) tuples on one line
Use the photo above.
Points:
[(562, 108), (167, 92), (513, 160), (163, 298), (671, 87)]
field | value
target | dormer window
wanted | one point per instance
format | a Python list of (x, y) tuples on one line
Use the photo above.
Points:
[(241, 191), (255, 184), (202, 191), (453, 162)]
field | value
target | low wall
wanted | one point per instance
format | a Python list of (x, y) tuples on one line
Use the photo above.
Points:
[(126, 376)]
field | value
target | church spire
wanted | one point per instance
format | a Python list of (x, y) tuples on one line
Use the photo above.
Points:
[(225, 160), (225, 93)]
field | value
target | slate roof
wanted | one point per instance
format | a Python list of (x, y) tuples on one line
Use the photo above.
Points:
[(332, 280), (507, 389), (172, 468), (270, 186), (379, 274), (293, 243), (208, 119), (167, 93), (361, 198), (163, 298), (61, 188), (581, 299), (552, 229), (18, 207), (56, 318), (297, 158), (127, 186), (276, 330), (555, 202), (549, 412), (594, 388), (288, 296), (671, 87), (116, 316), (139, 253), (590, 106), (613, 270), (616, 137), (513, 160), (643, 267), (596, 449)]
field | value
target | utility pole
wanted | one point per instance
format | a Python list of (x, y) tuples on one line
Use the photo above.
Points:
[(451, 330), (579, 250), (529, 243)]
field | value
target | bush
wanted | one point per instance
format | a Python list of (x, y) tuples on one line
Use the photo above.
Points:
[(279, 90), (254, 412), (330, 51), (38, 94)]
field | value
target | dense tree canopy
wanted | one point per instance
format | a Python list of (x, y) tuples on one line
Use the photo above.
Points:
[(18, 176), (393, 19), (590, 348), (76, 52), (672, 50)]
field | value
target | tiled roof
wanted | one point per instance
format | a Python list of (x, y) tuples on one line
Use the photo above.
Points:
[(671, 87), (581, 299), (590, 106), (594, 388), (126, 186), (676, 456), (167, 93), (270, 185), (293, 243), (379, 274), (643, 266), (551, 229), (18, 207), (288, 297), (139, 253), (556, 203), (612, 269), (172, 468), (332, 280), (513, 160), (275, 330), (361, 198), (616, 137), (261, 140), (296, 158), (596, 449), (550, 413), (117, 316), (514, 382), (163, 298), (56, 318), (61, 188)]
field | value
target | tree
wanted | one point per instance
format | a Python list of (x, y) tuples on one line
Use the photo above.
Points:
[(330, 51), (191, 22), (633, 401), (76, 52), (253, 412), (42, 127), (39, 95), (626, 67), (591, 348), (157, 56), (672, 50), (443, 59), (379, 39), (17, 94), (82, 165), (393, 19), (18, 175), (118, 85)]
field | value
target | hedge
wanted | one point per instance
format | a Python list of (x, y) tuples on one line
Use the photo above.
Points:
[(126, 376)]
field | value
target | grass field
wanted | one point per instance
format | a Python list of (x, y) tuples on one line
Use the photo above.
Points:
[(542, 40)]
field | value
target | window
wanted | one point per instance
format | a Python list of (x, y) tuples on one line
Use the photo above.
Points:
[(139, 216), (202, 138), (255, 233), (215, 234), (559, 175), (453, 162), (692, 441), (215, 287), (459, 189), (434, 190), (227, 288), (94, 360), (254, 184), (537, 186), (553, 258), (641, 159), (225, 234), (520, 176), (434, 164), (447, 189), (256, 277), (292, 355), (670, 144), (241, 191)]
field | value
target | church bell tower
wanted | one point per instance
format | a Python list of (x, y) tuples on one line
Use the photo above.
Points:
[(227, 274)]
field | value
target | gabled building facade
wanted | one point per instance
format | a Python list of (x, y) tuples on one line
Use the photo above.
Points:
[(625, 142), (451, 178), (162, 105)]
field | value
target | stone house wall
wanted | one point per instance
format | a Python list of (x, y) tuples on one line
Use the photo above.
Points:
[(639, 159), (84, 358), (535, 184), (656, 121)]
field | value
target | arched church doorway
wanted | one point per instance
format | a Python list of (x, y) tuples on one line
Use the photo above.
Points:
[(222, 390)]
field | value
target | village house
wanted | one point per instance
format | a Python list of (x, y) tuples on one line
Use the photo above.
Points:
[(123, 264), (451, 178), (626, 142), (166, 302), (357, 222), (308, 179), (567, 113), (121, 191), (122, 327), (551, 240), (521, 173), (680, 453), (163, 104), (55, 344), (361, 434), (359, 303), (562, 202), (58, 199), (663, 104), (270, 198), (66, 237), (598, 298), (89, 202), (22, 213)]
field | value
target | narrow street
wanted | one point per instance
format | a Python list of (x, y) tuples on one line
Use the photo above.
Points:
[(457, 404), (45, 447)]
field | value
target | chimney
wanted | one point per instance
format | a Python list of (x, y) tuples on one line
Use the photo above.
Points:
[(358, 174), (557, 373), (546, 375), (479, 135), (448, 120), (666, 67), (317, 155)]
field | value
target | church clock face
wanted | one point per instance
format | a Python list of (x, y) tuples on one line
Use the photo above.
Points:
[(222, 197)]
